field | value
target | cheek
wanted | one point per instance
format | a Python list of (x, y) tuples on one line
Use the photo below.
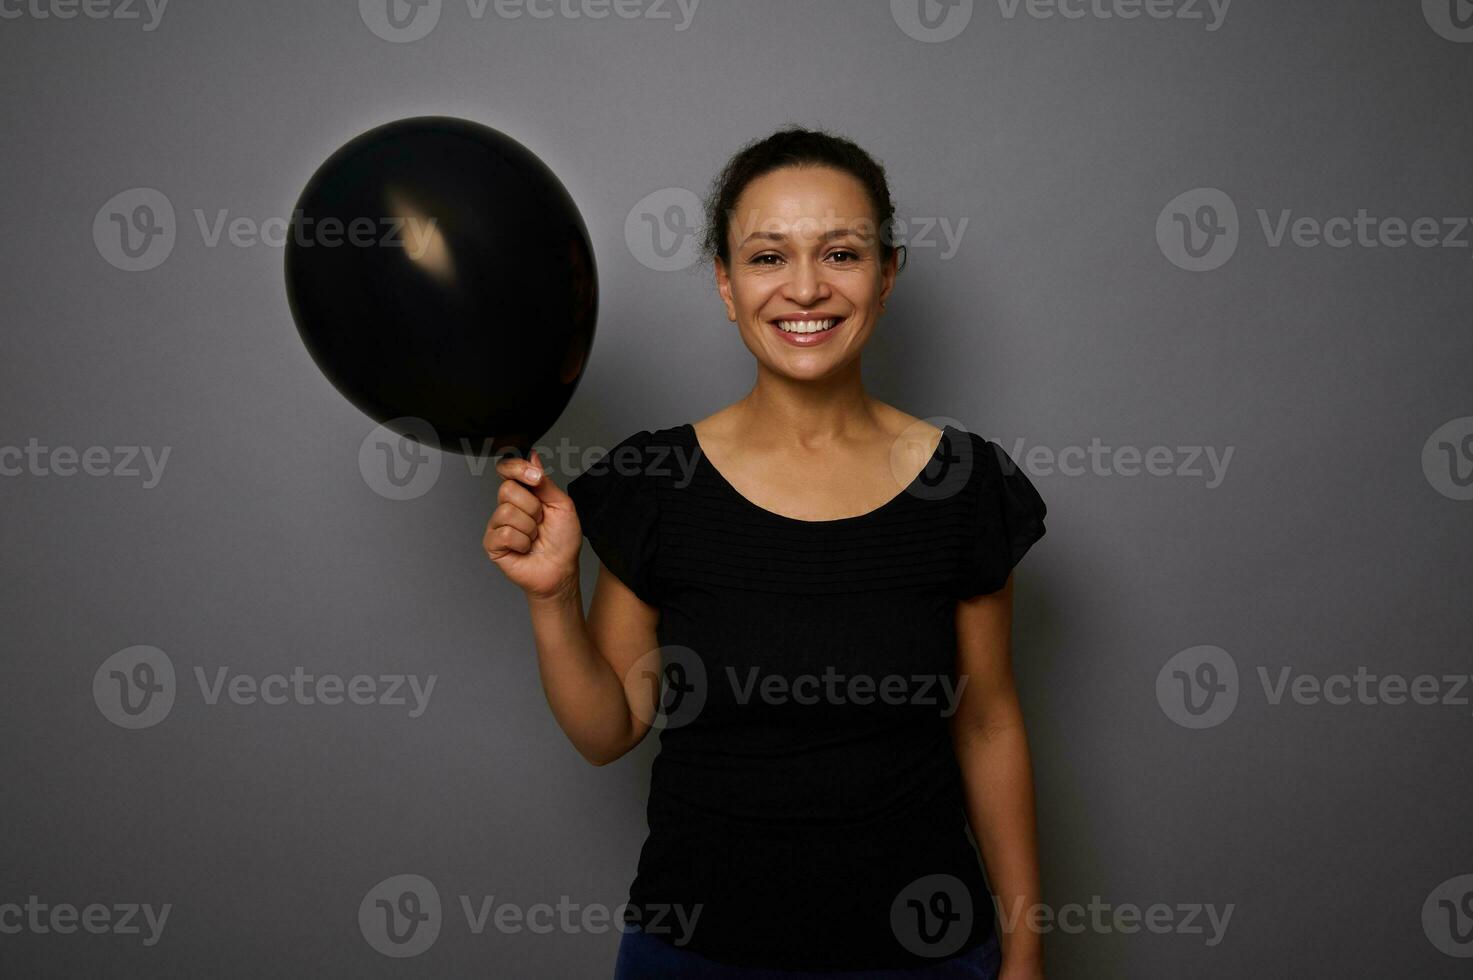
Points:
[(751, 293)]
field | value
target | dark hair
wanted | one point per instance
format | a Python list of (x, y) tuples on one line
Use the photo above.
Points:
[(796, 146)]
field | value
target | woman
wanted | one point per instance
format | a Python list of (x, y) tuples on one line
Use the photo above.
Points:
[(823, 583)]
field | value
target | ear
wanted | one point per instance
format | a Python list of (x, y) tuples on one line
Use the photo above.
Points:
[(723, 286), (887, 276)]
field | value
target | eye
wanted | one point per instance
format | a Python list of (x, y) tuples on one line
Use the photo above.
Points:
[(844, 251), (758, 259)]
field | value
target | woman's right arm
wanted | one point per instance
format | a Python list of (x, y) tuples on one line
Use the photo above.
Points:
[(600, 675)]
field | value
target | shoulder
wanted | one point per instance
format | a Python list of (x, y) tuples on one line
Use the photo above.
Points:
[(980, 474), (1008, 514), (994, 469), (715, 429), (910, 436), (1003, 483), (635, 455)]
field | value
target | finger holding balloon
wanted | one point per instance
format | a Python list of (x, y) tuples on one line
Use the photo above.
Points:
[(533, 535)]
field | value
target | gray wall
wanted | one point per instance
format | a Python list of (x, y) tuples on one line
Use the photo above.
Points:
[(1070, 311)]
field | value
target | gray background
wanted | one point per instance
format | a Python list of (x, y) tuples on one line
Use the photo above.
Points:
[(1327, 547)]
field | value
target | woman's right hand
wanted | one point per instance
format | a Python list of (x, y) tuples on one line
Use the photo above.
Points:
[(534, 535)]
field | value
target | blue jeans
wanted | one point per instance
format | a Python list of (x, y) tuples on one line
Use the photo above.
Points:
[(643, 957)]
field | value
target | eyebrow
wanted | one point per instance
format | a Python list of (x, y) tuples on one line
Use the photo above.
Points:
[(777, 236)]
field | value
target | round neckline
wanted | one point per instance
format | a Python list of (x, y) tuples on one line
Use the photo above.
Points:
[(703, 460)]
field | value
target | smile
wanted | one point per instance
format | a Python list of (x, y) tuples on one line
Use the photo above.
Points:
[(807, 326), (806, 330)]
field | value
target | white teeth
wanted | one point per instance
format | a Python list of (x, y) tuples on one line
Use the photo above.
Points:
[(805, 326)]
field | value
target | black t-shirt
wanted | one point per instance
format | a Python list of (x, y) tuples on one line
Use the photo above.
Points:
[(806, 808)]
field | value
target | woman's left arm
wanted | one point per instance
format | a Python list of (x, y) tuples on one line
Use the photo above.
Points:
[(992, 750)]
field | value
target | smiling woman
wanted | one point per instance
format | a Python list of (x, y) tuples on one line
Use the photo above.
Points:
[(785, 612), (800, 238)]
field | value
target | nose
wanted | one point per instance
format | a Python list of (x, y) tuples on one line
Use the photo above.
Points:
[(806, 285)]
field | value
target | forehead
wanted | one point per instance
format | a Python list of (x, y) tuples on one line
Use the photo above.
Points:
[(813, 196)]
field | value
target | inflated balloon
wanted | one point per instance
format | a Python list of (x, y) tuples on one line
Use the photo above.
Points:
[(440, 273)]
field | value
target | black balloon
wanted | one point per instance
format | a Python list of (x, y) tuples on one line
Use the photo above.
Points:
[(437, 270)]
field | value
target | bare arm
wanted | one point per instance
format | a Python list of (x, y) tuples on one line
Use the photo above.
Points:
[(992, 750), (600, 692), (587, 665)]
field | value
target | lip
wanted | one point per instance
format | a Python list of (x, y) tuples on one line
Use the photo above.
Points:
[(807, 339)]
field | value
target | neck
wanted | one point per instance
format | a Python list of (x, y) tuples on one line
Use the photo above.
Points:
[(810, 414)]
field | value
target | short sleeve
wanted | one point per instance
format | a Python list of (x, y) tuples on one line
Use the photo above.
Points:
[(1008, 519), (617, 509)]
